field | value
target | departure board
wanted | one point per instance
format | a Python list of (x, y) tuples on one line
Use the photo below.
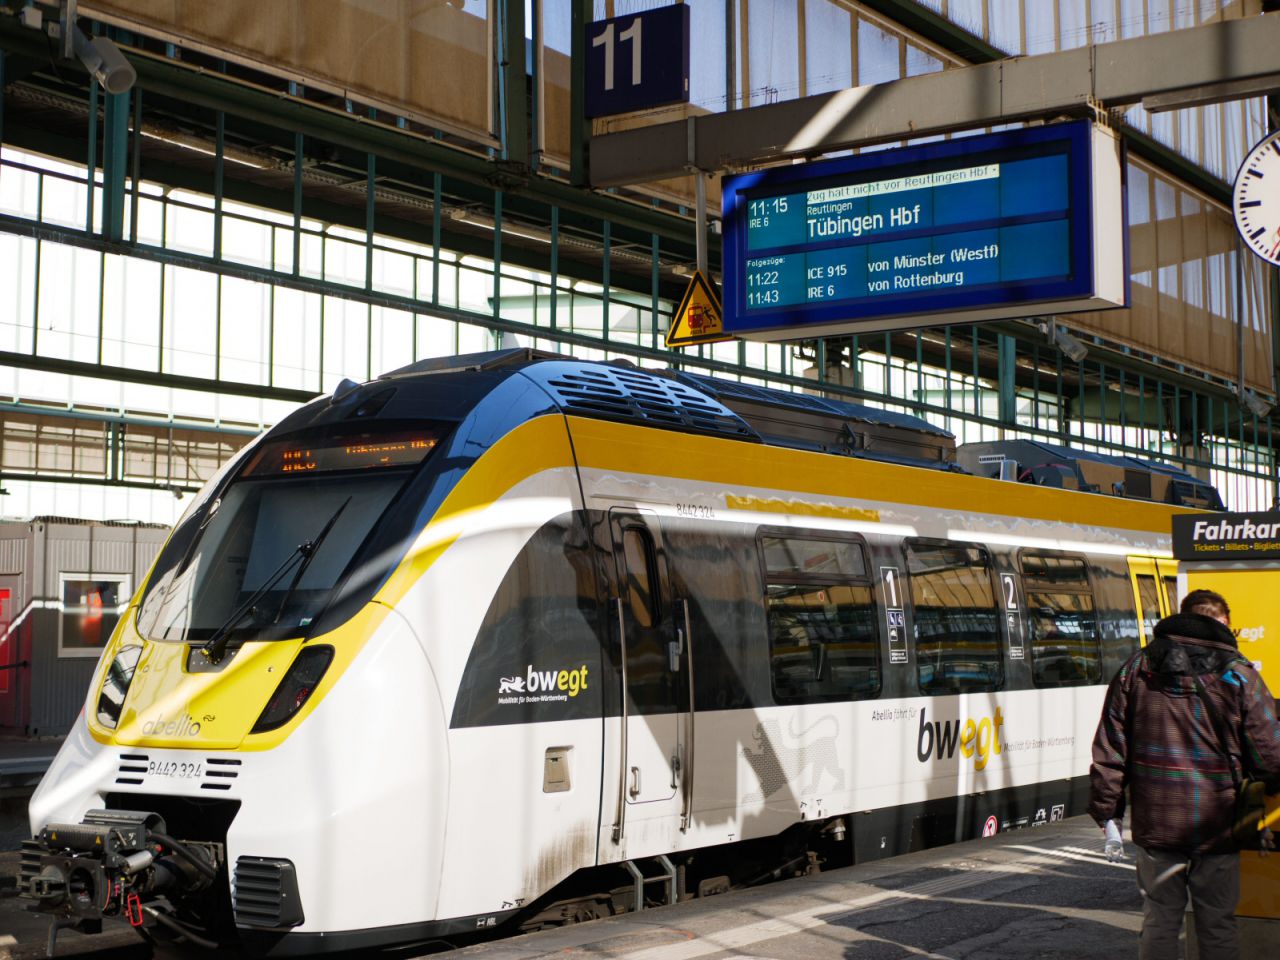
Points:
[(968, 229)]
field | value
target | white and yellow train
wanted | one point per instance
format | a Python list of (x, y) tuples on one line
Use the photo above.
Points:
[(504, 641)]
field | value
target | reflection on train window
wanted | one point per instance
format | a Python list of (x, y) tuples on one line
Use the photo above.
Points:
[(823, 635), (1171, 588), (115, 685), (637, 553), (1065, 648), (91, 607), (956, 624), (651, 686), (1149, 595), (786, 556)]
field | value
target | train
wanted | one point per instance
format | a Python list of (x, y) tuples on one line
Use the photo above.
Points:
[(504, 641)]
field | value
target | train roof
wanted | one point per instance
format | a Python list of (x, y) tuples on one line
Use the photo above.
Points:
[(674, 399)]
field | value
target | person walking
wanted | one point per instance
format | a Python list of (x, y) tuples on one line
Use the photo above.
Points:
[(1156, 739)]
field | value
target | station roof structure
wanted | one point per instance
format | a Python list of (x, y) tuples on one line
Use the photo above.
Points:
[(261, 228)]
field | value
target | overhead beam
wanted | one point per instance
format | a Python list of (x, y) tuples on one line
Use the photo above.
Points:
[(1115, 75), (125, 419), (1209, 94), (936, 29), (203, 88)]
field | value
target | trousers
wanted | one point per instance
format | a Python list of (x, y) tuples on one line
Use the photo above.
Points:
[(1165, 878)]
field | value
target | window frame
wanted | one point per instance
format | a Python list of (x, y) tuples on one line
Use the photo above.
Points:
[(68, 650), (1026, 601), (859, 543), (634, 524), (1144, 627), (908, 599)]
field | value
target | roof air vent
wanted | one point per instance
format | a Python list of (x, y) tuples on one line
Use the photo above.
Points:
[(618, 393)]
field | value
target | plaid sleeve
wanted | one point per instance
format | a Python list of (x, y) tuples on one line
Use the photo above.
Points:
[(1262, 731), (1107, 774)]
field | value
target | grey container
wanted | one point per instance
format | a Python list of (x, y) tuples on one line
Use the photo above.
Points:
[(63, 585)]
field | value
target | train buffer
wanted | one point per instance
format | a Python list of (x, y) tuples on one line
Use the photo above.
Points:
[(1041, 891)]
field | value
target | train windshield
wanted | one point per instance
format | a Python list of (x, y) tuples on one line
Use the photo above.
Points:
[(265, 557)]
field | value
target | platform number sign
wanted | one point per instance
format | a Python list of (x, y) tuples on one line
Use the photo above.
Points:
[(895, 621), (1012, 614), (638, 61)]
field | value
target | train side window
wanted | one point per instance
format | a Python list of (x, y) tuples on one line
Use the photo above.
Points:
[(1149, 595), (1171, 590), (637, 551), (823, 627), (651, 683), (957, 627), (1066, 650)]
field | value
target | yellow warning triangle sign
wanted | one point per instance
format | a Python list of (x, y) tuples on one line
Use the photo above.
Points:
[(699, 318)]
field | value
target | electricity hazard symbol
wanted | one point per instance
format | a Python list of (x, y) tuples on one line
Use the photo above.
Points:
[(700, 318)]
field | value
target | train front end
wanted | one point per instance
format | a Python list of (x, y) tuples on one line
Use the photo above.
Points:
[(263, 711)]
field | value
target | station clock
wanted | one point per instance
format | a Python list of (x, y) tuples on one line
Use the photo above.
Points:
[(1255, 201)]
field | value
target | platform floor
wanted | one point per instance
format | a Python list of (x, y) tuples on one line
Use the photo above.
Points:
[(1045, 892), (1041, 892)]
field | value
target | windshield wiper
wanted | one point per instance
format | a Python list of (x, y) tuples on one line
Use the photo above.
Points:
[(308, 556), (215, 648)]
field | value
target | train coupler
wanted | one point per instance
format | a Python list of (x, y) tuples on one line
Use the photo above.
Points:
[(113, 865)]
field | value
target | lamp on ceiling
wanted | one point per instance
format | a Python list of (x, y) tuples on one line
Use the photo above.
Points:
[(1254, 403), (101, 57), (1073, 349)]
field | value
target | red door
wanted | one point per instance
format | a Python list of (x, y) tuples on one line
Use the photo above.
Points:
[(13, 675)]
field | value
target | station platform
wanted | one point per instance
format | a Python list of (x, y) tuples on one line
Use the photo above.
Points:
[(1038, 892), (23, 761)]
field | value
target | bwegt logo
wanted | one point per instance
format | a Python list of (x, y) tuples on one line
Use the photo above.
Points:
[(571, 682), (941, 737)]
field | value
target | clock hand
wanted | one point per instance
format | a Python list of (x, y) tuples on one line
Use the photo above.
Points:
[(1275, 247)]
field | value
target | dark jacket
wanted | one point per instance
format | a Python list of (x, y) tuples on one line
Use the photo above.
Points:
[(1156, 739)]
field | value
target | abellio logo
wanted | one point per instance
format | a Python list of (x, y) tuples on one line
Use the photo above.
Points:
[(184, 726), (941, 737)]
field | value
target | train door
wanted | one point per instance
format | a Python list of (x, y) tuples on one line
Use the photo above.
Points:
[(1168, 570), (644, 789), (12, 672), (1150, 597)]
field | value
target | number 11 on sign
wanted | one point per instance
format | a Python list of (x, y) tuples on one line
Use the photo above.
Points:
[(605, 39)]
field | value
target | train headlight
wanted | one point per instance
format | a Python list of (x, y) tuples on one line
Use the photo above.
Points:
[(115, 685), (295, 689)]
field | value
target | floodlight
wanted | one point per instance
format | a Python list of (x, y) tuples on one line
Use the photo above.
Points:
[(1255, 404), (103, 59), (1075, 350), (485, 222)]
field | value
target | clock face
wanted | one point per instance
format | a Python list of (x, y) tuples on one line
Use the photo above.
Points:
[(1256, 199)]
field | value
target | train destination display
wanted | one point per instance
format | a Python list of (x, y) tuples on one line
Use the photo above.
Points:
[(1009, 224)]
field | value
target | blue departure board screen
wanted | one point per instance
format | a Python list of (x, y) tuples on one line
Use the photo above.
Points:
[(940, 229)]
